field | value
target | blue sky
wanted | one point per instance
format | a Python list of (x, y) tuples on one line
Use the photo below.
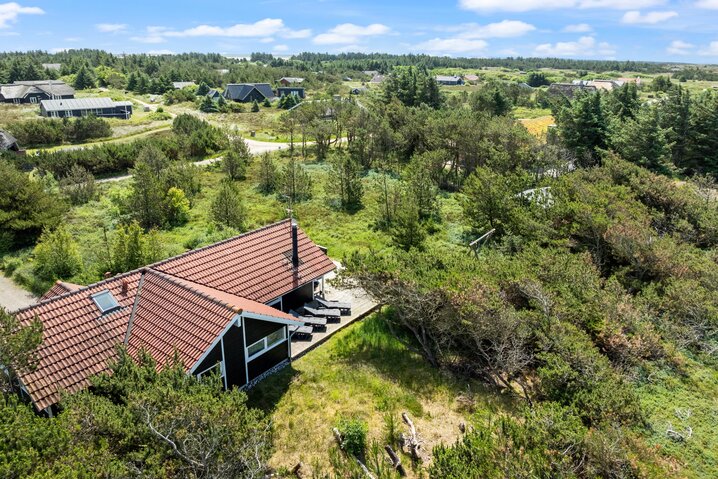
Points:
[(659, 30)]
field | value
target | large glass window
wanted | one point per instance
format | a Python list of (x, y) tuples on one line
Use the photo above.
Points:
[(255, 348), (266, 343)]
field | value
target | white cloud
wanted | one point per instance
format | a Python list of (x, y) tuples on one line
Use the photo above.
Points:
[(111, 27), (446, 46), (711, 50), (584, 47), (578, 28), (10, 11), (280, 48), (261, 28), (503, 29), (292, 34), (348, 33), (528, 5), (651, 18), (709, 4), (152, 35), (266, 40), (267, 28), (679, 47)]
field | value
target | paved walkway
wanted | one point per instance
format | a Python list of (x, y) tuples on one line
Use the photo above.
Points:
[(12, 296), (362, 305)]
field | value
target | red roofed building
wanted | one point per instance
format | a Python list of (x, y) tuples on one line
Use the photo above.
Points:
[(222, 307)]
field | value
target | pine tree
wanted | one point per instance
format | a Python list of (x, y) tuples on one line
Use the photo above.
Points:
[(255, 106), (296, 183), (583, 126), (642, 141), (227, 207), (237, 159), (203, 89), (84, 79), (267, 174), (57, 255)]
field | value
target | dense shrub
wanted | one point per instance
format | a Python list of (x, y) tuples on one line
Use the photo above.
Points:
[(53, 131)]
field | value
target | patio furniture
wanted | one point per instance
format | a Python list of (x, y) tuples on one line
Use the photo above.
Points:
[(315, 322), (329, 314), (300, 332), (345, 308)]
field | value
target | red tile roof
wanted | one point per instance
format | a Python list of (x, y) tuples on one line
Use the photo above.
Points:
[(212, 284), (78, 341), (60, 287), (256, 265)]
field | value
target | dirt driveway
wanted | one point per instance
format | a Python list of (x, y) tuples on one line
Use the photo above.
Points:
[(12, 296)]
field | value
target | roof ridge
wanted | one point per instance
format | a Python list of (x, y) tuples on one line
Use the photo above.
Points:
[(149, 266), (183, 284), (187, 253)]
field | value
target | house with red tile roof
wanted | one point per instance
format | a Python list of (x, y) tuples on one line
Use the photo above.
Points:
[(219, 308)]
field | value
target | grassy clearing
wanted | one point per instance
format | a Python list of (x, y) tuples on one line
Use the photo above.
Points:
[(362, 372), (538, 126), (682, 401)]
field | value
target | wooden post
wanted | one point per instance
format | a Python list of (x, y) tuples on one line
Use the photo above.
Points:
[(395, 460), (297, 470)]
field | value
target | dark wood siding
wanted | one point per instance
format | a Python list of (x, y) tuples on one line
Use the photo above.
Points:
[(266, 361), (297, 298), (234, 357), (212, 358), (257, 330)]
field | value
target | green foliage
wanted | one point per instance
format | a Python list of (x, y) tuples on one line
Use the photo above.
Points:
[(353, 432), (53, 131), (255, 106), (406, 229), (84, 79), (346, 181), (268, 176), (412, 87), (132, 248), (227, 206), (79, 185), (661, 83), (57, 255), (237, 159), (295, 183), (491, 99), (208, 105), (18, 343), (584, 128), (176, 207), (643, 142), (26, 209), (537, 79)]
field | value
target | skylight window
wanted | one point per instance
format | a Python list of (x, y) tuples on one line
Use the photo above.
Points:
[(105, 301)]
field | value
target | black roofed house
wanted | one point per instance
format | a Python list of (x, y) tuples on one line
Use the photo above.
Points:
[(214, 94), (35, 91), (218, 308), (452, 80), (287, 81), (9, 143), (101, 107), (290, 90), (247, 92)]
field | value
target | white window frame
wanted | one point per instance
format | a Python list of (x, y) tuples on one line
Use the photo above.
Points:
[(209, 370), (266, 346), (107, 310)]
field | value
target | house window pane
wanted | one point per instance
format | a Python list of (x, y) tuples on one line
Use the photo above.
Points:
[(275, 337), (105, 301), (255, 348)]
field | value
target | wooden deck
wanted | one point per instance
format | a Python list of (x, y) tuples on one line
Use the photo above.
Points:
[(361, 306)]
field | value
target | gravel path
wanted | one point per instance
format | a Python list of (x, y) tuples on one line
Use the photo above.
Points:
[(256, 147), (12, 296)]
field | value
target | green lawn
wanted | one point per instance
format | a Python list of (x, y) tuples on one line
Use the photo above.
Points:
[(362, 372)]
